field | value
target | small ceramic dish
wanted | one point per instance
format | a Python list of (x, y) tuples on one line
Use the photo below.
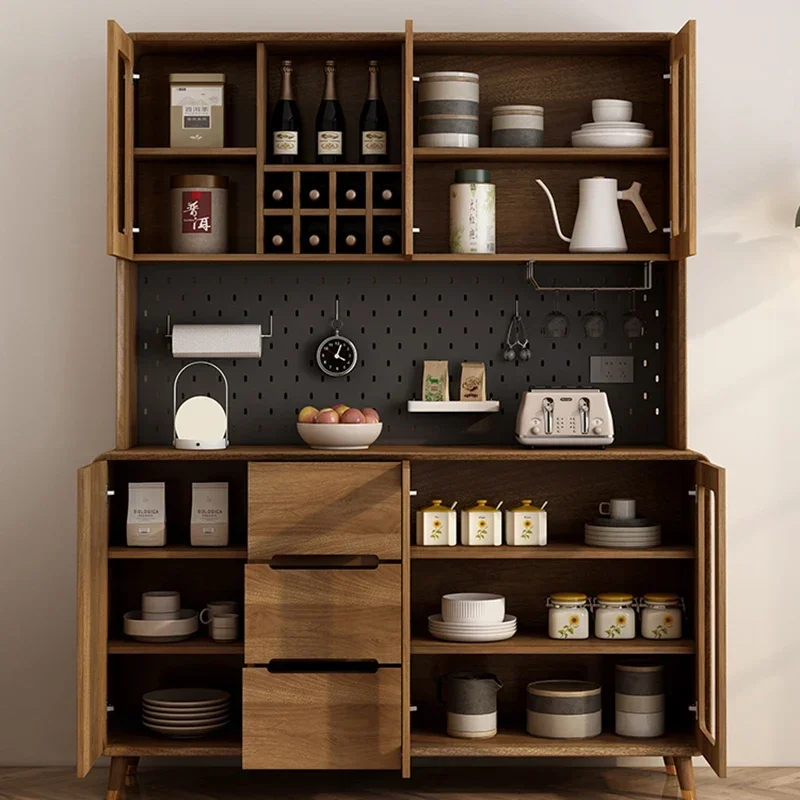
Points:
[(473, 608), (612, 138), (160, 630), (607, 110)]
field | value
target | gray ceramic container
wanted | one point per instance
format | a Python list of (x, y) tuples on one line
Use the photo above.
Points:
[(471, 701), (564, 709), (448, 105), (517, 126), (638, 678), (639, 699)]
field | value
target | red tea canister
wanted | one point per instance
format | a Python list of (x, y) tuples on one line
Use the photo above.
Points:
[(199, 213)]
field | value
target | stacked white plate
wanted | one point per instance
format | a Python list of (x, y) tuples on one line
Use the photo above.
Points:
[(472, 631), (186, 713), (607, 534), (612, 134)]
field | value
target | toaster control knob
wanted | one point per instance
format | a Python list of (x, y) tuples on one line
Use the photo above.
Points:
[(597, 430)]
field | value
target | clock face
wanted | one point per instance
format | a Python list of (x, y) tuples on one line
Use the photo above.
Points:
[(336, 356)]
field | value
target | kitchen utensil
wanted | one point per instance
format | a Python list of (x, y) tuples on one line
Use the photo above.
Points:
[(662, 616), (517, 126), (184, 733), (472, 212), (568, 615), (200, 717), (614, 616), (473, 607), (526, 524), (161, 605), (556, 324), (612, 137), (516, 329), (594, 323), (598, 224), (612, 126), (618, 508), (224, 627), (436, 525), (471, 702), (160, 630), (447, 109), (173, 722), (606, 110), (481, 525), (564, 709), (215, 608), (339, 437), (471, 632), (564, 418), (634, 522), (184, 698), (632, 325)]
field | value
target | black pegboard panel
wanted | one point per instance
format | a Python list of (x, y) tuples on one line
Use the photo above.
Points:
[(398, 316)]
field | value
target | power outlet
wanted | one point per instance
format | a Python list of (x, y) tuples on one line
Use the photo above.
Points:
[(611, 369)]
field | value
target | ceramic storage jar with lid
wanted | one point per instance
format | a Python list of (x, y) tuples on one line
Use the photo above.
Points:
[(199, 213), (436, 525), (471, 701), (614, 616), (568, 616), (481, 524), (661, 616), (639, 699), (564, 709), (526, 525), (472, 212), (447, 109), (197, 109), (517, 126)]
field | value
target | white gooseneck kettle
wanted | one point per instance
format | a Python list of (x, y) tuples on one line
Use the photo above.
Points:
[(598, 224)]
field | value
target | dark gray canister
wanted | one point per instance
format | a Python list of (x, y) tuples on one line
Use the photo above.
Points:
[(639, 678), (564, 709), (639, 699), (471, 702)]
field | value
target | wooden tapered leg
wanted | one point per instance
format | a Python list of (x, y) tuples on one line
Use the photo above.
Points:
[(685, 770), (117, 773), (130, 771), (669, 763)]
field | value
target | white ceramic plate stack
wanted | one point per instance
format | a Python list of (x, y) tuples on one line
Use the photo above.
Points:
[(472, 617), (612, 127), (161, 619), (186, 713), (623, 533)]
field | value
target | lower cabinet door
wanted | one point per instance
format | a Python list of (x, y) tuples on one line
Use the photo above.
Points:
[(321, 720)]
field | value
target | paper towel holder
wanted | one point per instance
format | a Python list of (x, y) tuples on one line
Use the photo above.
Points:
[(168, 334), (204, 423)]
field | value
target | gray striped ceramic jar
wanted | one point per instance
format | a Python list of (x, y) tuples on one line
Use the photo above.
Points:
[(638, 678), (517, 126), (448, 105), (471, 701), (639, 700), (564, 709)]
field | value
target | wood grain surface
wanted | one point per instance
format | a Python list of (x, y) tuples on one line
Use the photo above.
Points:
[(322, 613), (321, 720), (559, 550), (126, 410), (92, 614), (318, 508)]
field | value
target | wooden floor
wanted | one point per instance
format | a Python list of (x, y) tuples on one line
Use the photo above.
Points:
[(498, 783)]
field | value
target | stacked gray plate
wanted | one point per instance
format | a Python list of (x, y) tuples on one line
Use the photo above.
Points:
[(629, 533), (186, 713)]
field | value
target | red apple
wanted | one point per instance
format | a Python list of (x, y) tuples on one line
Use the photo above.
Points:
[(340, 408), (327, 417), (370, 415), (352, 417), (308, 414)]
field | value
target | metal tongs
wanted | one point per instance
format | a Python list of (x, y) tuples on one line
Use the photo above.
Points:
[(516, 329)]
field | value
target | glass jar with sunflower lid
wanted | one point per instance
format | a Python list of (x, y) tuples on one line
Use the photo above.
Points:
[(662, 616), (614, 616), (568, 616), (436, 524)]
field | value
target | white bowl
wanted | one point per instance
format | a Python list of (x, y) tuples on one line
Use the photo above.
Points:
[(612, 138), (161, 602), (474, 607), (612, 126), (339, 436), (160, 630), (612, 110)]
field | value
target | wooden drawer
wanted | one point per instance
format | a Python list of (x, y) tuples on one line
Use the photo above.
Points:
[(331, 509), (322, 613), (321, 720)]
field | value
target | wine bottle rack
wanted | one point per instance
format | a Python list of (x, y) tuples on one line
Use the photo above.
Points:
[(333, 202)]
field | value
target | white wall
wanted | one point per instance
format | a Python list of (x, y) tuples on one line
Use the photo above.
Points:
[(56, 329)]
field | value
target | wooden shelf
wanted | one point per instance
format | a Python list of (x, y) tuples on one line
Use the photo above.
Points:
[(550, 551), (400, 452), (234, 258), (191, 647), (541, 644), (178, 551), (538, 154), (136, 741), (522, 257), (191, 153), (332, 168), (453, 406), (514, 743)]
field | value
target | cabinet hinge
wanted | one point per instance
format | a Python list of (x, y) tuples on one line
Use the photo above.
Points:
[(415, 230), (412, 492), (667, 76), (109, 493), (693, 493), (416, 78), (136, 76), (693, 709)]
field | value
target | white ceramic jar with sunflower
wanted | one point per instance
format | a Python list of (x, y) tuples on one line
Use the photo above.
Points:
[(526, 524), (436, 525), (614, 616), (482, 524), (568, 616), (661, 616)]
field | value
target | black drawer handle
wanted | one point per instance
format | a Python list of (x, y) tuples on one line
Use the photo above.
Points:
[(324, 562), (283, 665)]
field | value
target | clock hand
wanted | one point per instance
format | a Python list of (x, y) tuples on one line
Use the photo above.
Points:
[(336, 355)]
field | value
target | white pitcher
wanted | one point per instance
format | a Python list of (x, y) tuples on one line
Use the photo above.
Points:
[(598, 224)]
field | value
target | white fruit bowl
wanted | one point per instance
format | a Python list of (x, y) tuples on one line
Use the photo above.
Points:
[(339, 436)]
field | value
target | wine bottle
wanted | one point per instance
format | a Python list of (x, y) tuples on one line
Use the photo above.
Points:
[(286, 121), (314, 236), (386, 239), (330, 122), (386, 190), (374, 123), (349, 236), (279, 235)]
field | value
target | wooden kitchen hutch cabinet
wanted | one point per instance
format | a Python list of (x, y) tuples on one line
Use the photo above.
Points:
[(335, 651)]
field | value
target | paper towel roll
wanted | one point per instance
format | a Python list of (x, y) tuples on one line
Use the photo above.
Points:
[(216, 341)]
